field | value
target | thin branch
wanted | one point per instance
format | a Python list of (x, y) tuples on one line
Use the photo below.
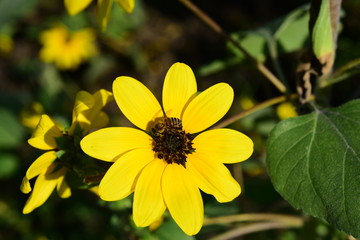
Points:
[(251, 217), (255, 227), (256, 108), (216, 27)]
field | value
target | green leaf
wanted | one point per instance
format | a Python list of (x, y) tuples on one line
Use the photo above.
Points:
[(322, 35), (293, 31), (170, 230), (11, 132), (314, 163), (254, 42)]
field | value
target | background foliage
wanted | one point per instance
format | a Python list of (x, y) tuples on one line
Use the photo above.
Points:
[(143, 45)]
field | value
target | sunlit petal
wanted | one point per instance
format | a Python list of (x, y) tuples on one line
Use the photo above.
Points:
[(136, 101), (101, 120), (108, 143), (25, 186), (119, 179), (44, 186), (207, 108), (213, 178), (183, 199), (44, 134), (75, 6), (148, 200), (87, 110), (84, 101), (179, 87), (224, 145), (41, 164), (62, 187), (127, 5)]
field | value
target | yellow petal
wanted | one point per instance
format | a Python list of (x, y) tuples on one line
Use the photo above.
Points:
[(87, 110), (213, 178), (108, 143), (148, 200), (104, 11), (44, 186), (75, 6), (41, 164), (119, 179), (208, 107), (183, 199), (62, 187), (127, 5), (179, 87), (96, 117), (136, 101), (44, 134), (224, 145), (84, 101), (101, 120), (25, 186)]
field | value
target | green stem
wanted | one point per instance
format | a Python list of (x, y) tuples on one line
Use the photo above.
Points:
[(252, 217), (255, 227), (216, 27), (256, 108)]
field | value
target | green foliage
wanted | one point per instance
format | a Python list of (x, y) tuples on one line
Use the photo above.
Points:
[(286, 34), (12, 9), (11, 132), (313, 161), (322, 35)]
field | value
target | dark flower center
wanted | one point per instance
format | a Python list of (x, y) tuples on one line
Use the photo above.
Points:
[(171, 142)]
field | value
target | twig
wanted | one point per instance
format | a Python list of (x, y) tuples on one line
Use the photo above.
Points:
[(216, 27), (251, 217), (255, 227), (256, 108)]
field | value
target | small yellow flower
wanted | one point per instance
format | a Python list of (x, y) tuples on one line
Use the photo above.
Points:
[(6, 44), (67, 50), (104, 8), (171, 157), (246, 103), (51, 173), (286, 110)]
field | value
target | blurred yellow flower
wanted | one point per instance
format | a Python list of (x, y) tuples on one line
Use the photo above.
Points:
[(104, 8), (50, 172), (6, 44), (67, 50), (286, 110), (246, 103), (171, 157)]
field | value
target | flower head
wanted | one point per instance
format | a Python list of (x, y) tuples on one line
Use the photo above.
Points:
[(286, 110), (50, 168), (67, 50), (6, 44), (171, 157), (104, 8)]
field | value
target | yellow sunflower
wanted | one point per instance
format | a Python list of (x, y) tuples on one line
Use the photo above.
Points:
[(67, 50), (104, 8), (170, 157), (49, 168)]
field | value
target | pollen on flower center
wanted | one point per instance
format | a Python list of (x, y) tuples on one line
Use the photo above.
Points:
[(171, 142)]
